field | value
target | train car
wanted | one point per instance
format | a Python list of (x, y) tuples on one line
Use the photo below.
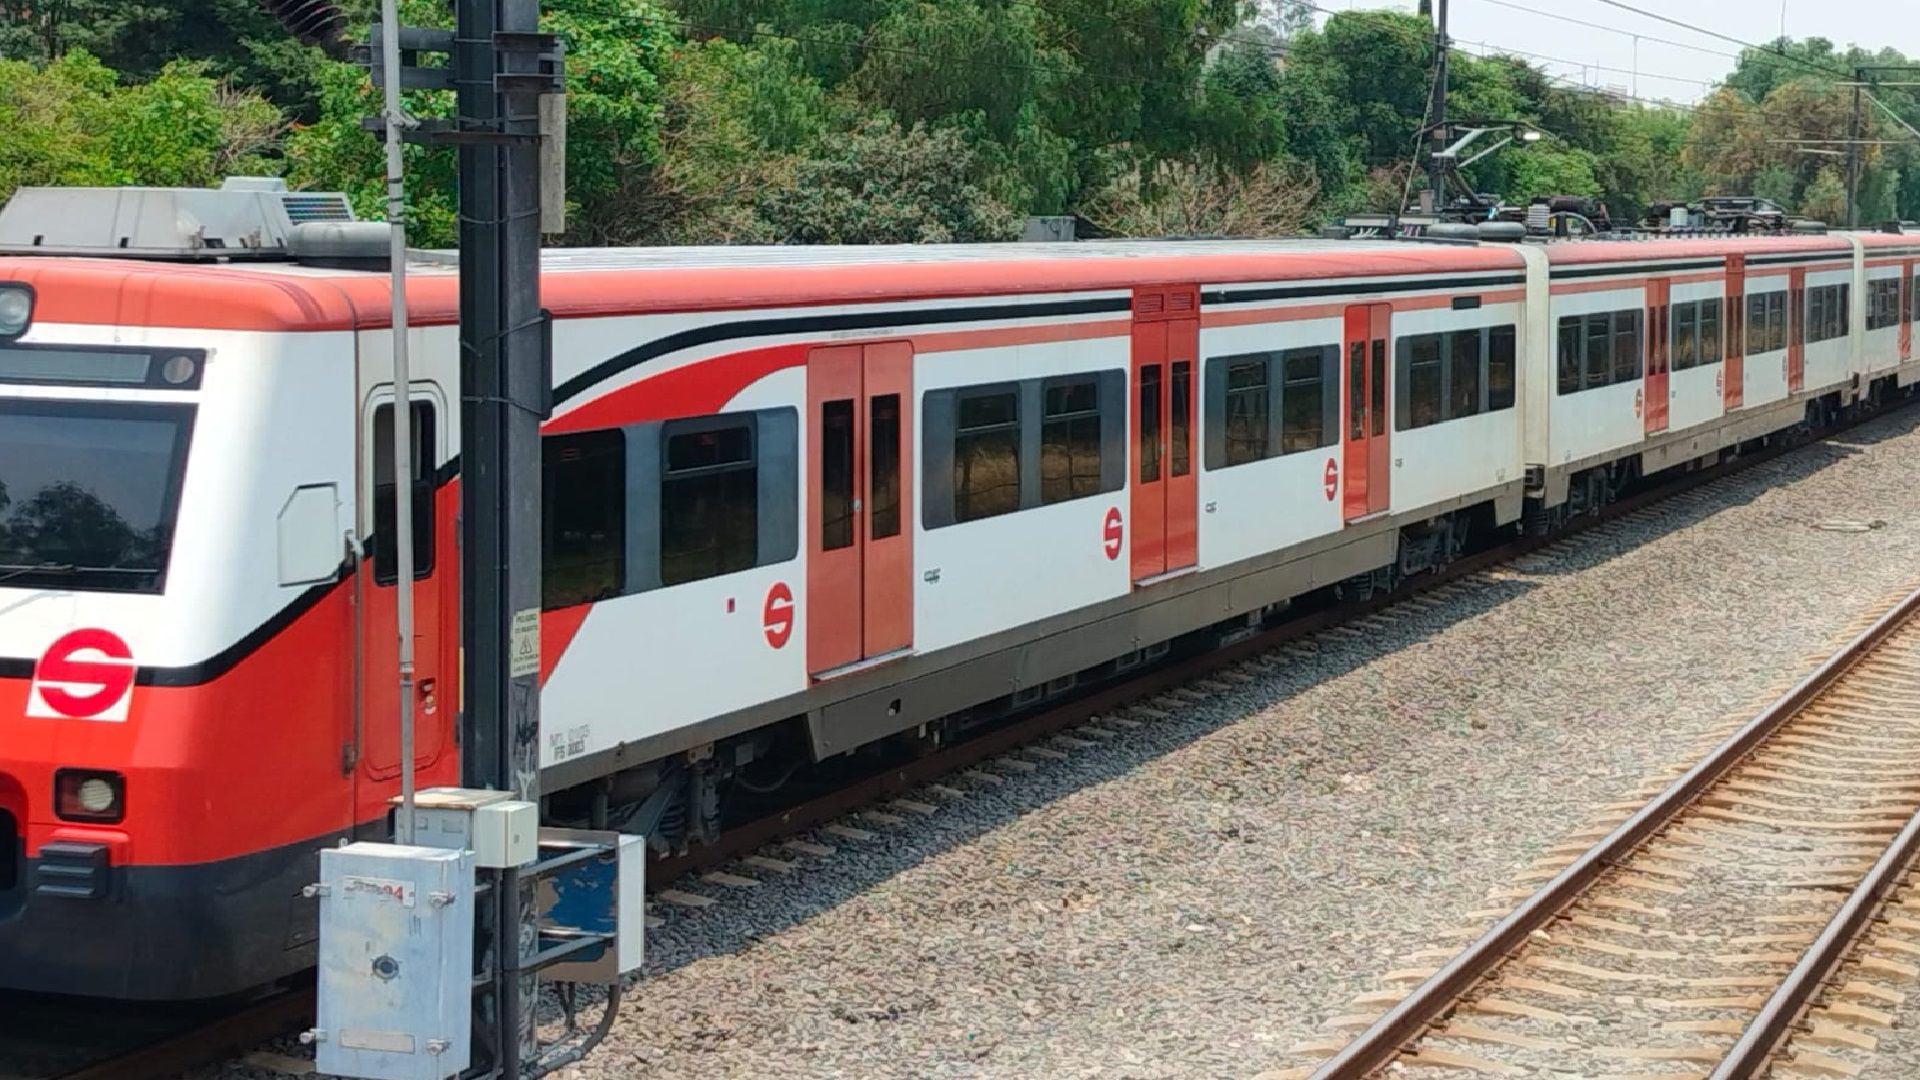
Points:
[(798, 503)]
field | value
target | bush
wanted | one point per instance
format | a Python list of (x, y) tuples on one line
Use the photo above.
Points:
[(879, 184)]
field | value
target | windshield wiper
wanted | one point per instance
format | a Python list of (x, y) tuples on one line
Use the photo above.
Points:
[(8, 571)]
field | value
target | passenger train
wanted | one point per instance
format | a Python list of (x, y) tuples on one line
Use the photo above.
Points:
[(798, 502)]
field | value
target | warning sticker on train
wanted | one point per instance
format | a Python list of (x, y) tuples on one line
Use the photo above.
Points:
[(1112, 533), (86, 674), (776, 615)]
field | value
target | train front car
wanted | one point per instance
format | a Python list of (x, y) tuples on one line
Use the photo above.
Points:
[(174, 606)]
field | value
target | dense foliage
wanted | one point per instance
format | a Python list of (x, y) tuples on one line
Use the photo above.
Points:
[(807, 121)]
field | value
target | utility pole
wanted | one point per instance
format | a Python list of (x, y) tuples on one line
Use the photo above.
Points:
[(501, 67), (1437, 111), (1853, 151)]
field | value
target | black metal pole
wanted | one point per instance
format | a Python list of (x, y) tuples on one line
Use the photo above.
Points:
[(502, 394), (1437, 112)]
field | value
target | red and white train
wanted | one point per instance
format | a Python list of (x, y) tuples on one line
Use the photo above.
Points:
[(798, 501)]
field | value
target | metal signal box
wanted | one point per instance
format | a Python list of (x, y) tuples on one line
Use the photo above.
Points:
[(396, 962), (500, 830)]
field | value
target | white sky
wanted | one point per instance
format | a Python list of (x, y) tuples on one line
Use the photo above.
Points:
[(1666, 72)]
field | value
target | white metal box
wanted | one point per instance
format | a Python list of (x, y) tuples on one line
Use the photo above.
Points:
[(396, 962), (500, 830)]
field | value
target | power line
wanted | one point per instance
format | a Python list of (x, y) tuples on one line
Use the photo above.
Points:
[(1613, 29), (1776, 50)]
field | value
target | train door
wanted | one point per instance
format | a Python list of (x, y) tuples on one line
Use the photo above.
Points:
[(1735, 321), (379, 587), (1909, 303), (1658, 395), (1166, 493), (1368, 454), (859, 504), (1796, 331)]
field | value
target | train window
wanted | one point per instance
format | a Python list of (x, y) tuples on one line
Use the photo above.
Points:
[(883, 496), (1736, 326), (1757, 321), (1500, 368), (1246, 411), (1816, 315), (1303, 400), (836, 474), (1180, 408), (1379, 386), (1627, 348), (1570, 338), (1357, 390), (1684, 349), (1913, 300), (1883, 304), (1150, 423), (1070, 440), (1711, 344), (986, 454), (583, 477), (1599, 353), (385, 554), (1424, 404), (709, 501), (1776, 320), (1463, 371)]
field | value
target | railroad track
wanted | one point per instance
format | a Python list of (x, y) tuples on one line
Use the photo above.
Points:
[(1748, 917), (749, 850)]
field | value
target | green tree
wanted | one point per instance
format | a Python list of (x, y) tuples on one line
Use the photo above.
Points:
[(1825, 198), (70, 122), (880, 184), (614, 115)]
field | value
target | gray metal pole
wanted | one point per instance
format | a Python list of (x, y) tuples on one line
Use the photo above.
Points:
[(1853, 153), (503, 390), (402, 406)]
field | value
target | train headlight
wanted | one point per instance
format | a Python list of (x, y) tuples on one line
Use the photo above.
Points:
[(89, 795), (16, 309)]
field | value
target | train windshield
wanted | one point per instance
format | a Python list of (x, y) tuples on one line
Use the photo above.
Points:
[(88, 493)]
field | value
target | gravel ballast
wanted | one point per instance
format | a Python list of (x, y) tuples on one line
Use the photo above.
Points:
[(1198, 894)]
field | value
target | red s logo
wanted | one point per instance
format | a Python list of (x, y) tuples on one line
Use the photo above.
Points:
[(69, 684), (776, 614)]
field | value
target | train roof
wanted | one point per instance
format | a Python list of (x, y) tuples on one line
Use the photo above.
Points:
[(582, 282)]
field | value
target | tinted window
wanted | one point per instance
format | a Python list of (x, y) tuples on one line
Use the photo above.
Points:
[(883, 431), (1303, 401), (1776, 320), (1150, 423), (1463, 392), (1710, 331), (1569, 353), (986, 455), (836, 474), (385, 554), (1626, 346), (1500, 368), (1599, 366), (1685, 331), (1070, 441), (93, 486), (583, 504), (1247, 411), (1424, 405), (709, 502), (1179, 435)]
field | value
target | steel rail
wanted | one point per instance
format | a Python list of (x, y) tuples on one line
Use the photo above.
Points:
[(748, 836), (1775, 1020), (234, 1032), (1383, 1041)]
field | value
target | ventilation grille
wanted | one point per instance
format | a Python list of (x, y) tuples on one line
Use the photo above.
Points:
[(302, 208)]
